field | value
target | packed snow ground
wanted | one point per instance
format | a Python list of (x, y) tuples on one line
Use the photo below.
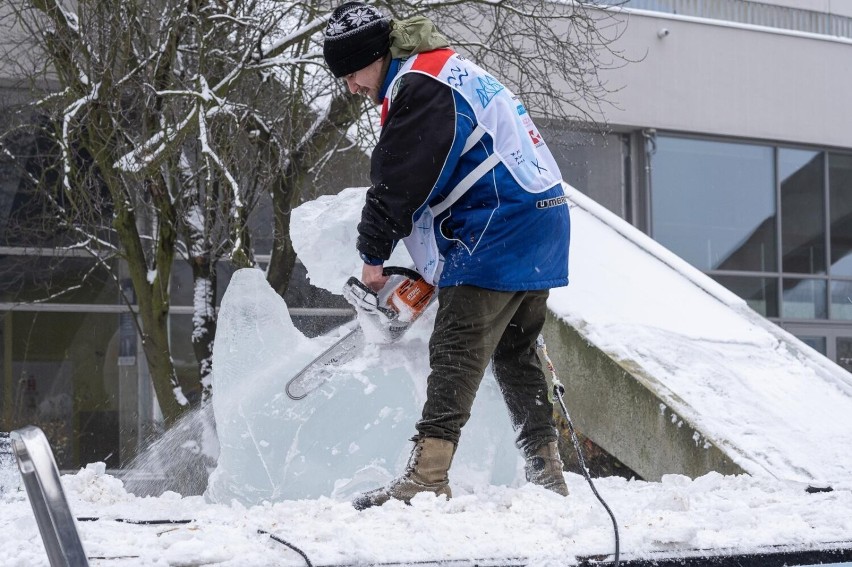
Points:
[(495, 523), (519, 521)]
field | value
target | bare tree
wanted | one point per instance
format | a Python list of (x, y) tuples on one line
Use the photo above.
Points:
[(168, 121), (551, 53)]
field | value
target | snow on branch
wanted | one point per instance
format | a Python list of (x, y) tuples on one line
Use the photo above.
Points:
[(68, 115), (282, 44), (207, 151), (141, 157), (71, 19), (310, 58), (202, 300)]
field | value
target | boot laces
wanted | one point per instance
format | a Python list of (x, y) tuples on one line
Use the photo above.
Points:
[(412, 460)]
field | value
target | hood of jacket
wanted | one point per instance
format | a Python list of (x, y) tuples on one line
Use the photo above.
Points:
[(414, 35)]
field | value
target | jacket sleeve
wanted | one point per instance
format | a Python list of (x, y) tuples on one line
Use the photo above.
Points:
[(412, 152)]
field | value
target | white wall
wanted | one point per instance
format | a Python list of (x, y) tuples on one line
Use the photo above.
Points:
[(720, 78), (839, 7)]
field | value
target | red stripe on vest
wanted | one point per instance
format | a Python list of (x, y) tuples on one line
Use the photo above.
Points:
[(431, 62)]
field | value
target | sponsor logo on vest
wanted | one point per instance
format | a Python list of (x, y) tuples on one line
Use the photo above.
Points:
[(554, 202), (457, 77), (489, 87), (535, 137)]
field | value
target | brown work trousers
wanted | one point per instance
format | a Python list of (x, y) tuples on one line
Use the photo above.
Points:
[(474, 326)]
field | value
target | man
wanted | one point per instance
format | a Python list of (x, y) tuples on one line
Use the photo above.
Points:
[(463, 177)]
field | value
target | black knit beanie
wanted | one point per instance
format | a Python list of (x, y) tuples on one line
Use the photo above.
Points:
[(355, 36)]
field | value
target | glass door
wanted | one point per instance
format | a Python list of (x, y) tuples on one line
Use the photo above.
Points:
[(843, 355), (833, 341)]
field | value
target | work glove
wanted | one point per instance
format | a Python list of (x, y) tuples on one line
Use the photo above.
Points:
[(361, 297), (379, 323)]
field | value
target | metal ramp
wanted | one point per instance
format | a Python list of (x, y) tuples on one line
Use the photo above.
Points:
[(41, 479)]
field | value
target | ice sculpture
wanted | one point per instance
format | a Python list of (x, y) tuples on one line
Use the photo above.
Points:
[(353, 432)]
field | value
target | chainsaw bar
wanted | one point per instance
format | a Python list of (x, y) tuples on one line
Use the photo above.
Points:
[(320, 369)]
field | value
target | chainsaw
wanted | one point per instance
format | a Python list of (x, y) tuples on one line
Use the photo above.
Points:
[(382, 317)]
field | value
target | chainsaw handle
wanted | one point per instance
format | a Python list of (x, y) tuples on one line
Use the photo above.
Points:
[(400, 271), (358, 299)]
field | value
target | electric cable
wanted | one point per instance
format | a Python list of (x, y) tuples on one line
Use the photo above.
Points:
[(136, 522), (288, 544), (558, 392), (161, 522)]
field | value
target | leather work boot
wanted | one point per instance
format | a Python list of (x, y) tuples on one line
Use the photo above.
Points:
[(426, 472), (544, 467)]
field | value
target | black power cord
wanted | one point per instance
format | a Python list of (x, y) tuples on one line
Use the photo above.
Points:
[(288, 544), (167, 522), (136, 522), (558, 392)]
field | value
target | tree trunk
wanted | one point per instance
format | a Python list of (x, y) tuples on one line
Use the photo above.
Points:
[(153, 312), (286, 193), (283, 257), (204, 321)]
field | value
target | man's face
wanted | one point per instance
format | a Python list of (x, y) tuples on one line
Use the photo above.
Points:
[(367, 81)]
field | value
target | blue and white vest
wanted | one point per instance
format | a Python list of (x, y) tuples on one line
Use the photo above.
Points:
[(517, 144)]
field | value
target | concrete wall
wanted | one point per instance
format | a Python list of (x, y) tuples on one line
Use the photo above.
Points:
[(621, 413), (714, 77)]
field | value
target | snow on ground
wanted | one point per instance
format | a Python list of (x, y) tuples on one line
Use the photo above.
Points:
[(654, 317), (489, 522)]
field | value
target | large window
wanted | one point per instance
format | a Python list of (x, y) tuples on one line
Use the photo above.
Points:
[(761, 294), (771, 223), (840, 197), (59, 372), (802, 182), (713, 203)]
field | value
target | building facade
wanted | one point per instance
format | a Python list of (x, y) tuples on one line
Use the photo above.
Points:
[(729, 142), (71, 358)]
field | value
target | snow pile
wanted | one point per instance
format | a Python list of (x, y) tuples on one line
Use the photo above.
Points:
[(773, 404), (92, 485)]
